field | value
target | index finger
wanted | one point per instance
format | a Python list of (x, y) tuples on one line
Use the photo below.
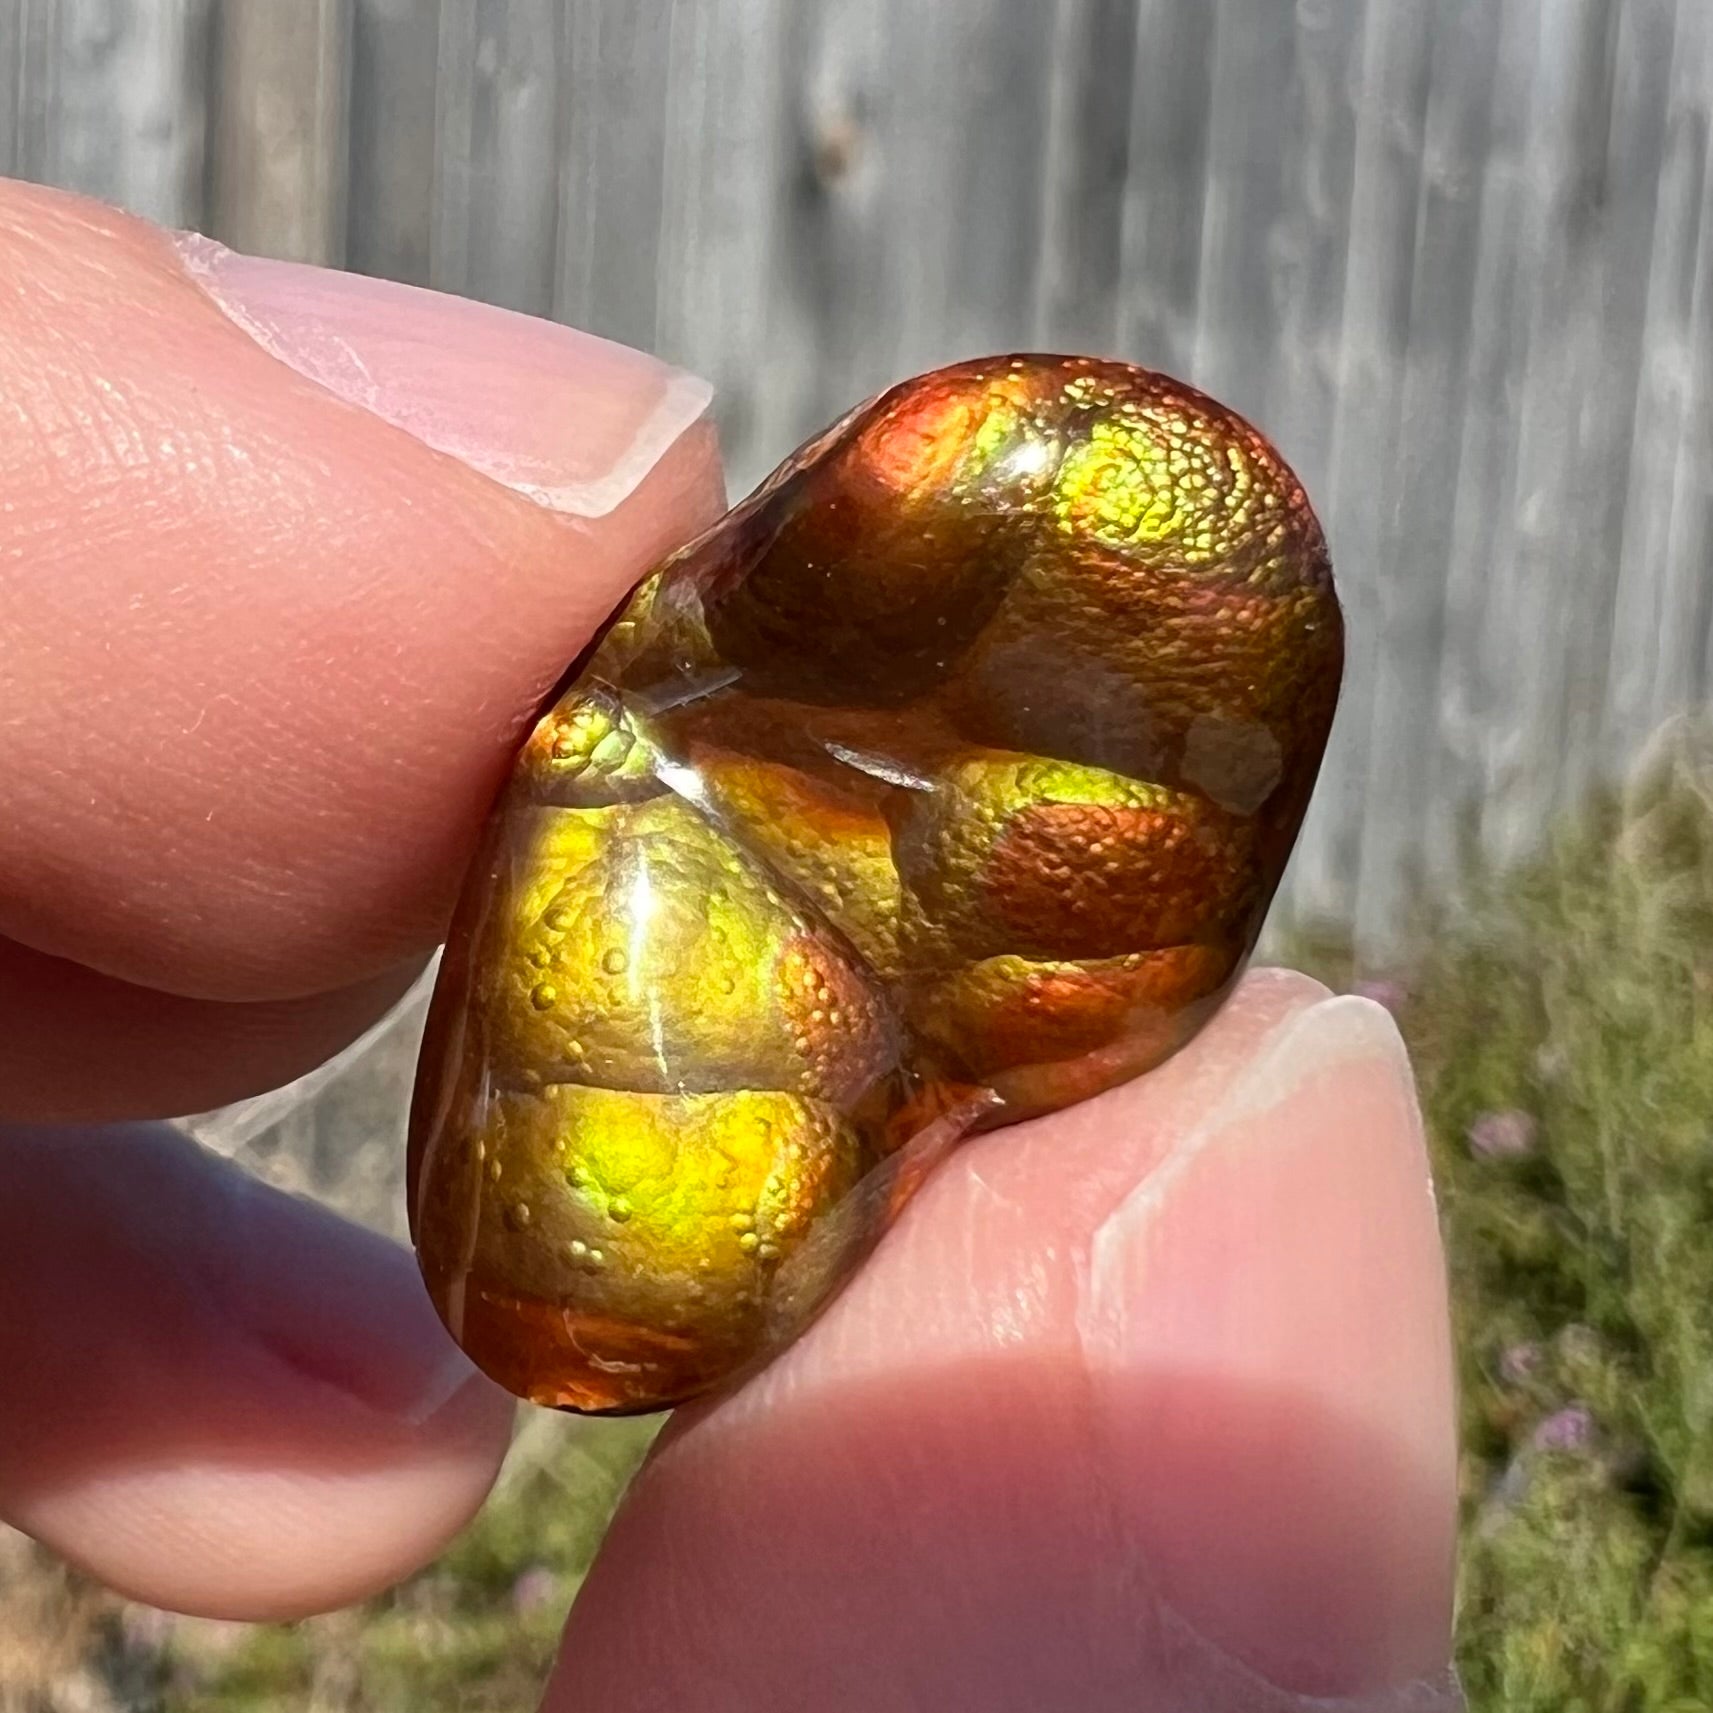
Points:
[(286, 559)]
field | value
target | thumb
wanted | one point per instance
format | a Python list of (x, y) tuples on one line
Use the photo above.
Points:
[(1146, 1404), (286, 558)]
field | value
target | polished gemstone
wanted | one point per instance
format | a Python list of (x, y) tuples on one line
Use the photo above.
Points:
[(945, 782)]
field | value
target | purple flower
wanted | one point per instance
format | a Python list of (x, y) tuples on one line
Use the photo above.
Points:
[(1383, 991), (534, 1589), (1518, 1362), (1569, 1429), (1507, 1135)]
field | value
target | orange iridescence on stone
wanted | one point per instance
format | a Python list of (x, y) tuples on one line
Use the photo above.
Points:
[(945, 782)]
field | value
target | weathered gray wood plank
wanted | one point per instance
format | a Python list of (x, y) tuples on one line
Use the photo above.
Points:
[(896, 119), (278, 146), (108, 99), (1236, 329), (1522, 643), (497, 153), (1685, 671), (613, 96), (1307, 247), (834, 289), (395, 48), (723, 186), (1484, 491), (1078, 273), (12, 79), (1359, 490), (1648, 621), (1613, 234), (1405, 830), (967, 126), (1161, 245), (1301, 259)]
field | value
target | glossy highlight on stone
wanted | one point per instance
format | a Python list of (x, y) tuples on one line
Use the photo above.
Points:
[(944, 782)]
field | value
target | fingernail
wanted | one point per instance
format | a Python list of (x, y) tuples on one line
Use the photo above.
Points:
[(341, 1307), (1266, 1327), (572, 421)]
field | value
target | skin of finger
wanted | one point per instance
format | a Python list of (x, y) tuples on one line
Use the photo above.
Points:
[(963, 1488), (83, 1046), (267, 656), (220, 1399)]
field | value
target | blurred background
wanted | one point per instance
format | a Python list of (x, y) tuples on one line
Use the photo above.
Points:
[(1456, 257)]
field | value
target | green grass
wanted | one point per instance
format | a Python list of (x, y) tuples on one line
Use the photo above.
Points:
[(1562, 1025), (1580, 993)]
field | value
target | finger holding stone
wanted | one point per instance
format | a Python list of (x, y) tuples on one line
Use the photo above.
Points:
[(86, 1046), (1146, 1403), (287, 560), (218, 1398)]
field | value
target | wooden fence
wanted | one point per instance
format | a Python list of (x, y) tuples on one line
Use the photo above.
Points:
[(1455, 255)]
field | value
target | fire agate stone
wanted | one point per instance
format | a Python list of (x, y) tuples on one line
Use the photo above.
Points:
[(944, 782)]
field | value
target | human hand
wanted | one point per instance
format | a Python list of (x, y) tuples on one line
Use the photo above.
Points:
[(1145, 1404)]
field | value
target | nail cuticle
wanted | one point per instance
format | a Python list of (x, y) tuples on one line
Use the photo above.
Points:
[(567, 420)]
